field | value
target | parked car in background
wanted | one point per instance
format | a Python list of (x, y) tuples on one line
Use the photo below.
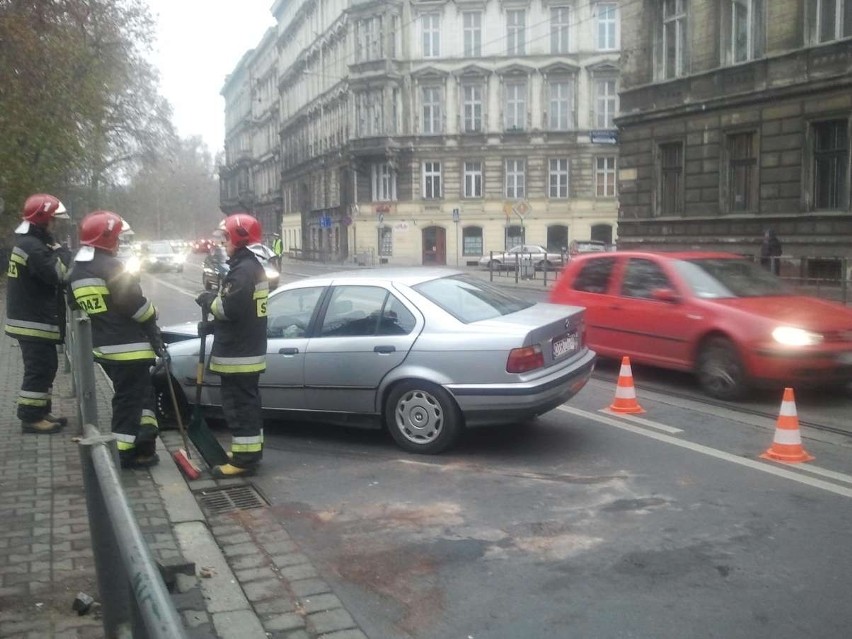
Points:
[(269, 260), (722, 317), (539, 255), (161, 256), (424, 352), (578, 247)]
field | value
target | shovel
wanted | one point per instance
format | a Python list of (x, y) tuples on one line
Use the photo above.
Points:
[(206, 443)]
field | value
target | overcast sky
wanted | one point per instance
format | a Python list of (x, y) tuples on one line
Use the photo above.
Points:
[(199, 42)]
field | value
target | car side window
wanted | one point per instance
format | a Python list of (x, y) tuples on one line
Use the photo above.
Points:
[(594, 276), (642, 277), (396, 319), (289, 312), (353, 311)]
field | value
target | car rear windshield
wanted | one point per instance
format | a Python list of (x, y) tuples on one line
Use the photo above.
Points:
[(714, 278), (470, 299), (160, 247)]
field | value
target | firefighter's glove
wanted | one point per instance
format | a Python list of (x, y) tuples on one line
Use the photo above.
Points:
[(205, 328), (156, 339), (205, 299)]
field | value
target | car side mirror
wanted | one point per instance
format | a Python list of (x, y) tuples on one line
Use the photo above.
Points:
[(665, 295)]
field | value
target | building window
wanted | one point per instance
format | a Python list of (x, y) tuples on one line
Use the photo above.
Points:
[(369, 111), (606, 103), (561, 105), (384, 182), (369, 35), (742, 172), (605, 176), (385, 241), (746, 30), (431, 28), (472, 108), (431, 180), (607, 15), (674, 38), (558, 178), (831, 165), (472, 25), (559, 25), (514, 236), (432, 110), (833, 19), (472, 179), (515, 106), (515, 179), (472, 240), (671, 178), (516, 42)]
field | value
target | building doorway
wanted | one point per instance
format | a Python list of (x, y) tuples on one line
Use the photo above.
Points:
[(557, 238), (602, 233), (434, 245)]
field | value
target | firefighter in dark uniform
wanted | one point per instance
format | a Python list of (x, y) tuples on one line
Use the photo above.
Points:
[(37, 269), (125, 336), (239, 342)]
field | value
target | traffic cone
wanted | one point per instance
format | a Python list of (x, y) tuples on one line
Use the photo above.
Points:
[(625, 392), (787, 443)]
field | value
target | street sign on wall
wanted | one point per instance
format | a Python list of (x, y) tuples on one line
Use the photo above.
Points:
[(603, 137)]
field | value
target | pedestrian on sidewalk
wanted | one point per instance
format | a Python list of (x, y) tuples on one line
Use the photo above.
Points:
[(37, 269), (125, 335), (770, 251), (277, 248), (239, 342)]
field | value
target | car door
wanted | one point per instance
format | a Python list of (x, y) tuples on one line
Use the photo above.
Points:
[(364, 333), (290, 314), (653, 330), (590, 287)]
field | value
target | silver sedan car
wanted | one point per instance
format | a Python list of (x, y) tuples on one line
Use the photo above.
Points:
[(424, 352)]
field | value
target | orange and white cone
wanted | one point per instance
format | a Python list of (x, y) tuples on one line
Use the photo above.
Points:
[(787, 443), (625, 392)]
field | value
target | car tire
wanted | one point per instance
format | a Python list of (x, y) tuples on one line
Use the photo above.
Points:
[(422, 417), (495, 265), (720, 369)]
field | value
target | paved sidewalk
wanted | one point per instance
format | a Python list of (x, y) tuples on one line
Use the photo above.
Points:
[(249, 578)]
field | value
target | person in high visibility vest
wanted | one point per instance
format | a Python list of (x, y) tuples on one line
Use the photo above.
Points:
[(36, 273), (239, 342), (125, 336), (277, 248)]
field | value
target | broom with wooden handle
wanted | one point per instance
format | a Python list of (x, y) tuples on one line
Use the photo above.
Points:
[(181, 457)]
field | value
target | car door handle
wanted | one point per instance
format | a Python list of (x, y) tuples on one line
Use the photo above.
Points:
[(384, 349), (288, 351)]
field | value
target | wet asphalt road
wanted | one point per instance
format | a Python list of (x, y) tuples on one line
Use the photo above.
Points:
[(577, 524)]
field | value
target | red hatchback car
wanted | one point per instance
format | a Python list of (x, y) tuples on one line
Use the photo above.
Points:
[(720, 316)]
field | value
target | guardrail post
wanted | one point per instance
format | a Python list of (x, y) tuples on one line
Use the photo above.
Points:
[(113, 584), (86, 369)]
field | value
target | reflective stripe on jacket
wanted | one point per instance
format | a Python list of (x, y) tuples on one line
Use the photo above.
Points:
[(35, 274), (120, 314), (239, 317)]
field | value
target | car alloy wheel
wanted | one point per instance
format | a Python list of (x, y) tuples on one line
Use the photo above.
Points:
[(422, 417), (720, 369)]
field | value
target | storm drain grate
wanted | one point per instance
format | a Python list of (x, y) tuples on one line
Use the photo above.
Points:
[(230, 498)]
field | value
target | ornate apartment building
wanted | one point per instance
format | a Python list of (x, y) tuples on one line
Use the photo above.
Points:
[(736, 118), (434, 131)]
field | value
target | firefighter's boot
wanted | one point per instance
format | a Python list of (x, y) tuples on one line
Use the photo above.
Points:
[(135, 460), (63, 421), (224, 471), (43, 427)]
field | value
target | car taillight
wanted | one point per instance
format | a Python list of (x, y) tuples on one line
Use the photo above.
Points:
[(524, 359)]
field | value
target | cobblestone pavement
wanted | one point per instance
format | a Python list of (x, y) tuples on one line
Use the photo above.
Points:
[(249, 579)]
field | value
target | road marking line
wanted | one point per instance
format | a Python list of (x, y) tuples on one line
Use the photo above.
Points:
[(712, 452), (671, 430)]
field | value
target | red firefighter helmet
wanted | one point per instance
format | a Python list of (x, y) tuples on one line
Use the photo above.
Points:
[(241, 229), (100, 229), (40, 208)]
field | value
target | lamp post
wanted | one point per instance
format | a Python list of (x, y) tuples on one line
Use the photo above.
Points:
[(456, 218)]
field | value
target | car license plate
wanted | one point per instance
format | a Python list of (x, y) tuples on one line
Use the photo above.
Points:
[(564, 345)]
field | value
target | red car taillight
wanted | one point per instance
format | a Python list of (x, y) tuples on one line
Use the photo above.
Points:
[(524, 359)]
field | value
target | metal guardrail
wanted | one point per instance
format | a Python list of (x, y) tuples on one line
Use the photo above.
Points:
[(136, 602), (524, 267)]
